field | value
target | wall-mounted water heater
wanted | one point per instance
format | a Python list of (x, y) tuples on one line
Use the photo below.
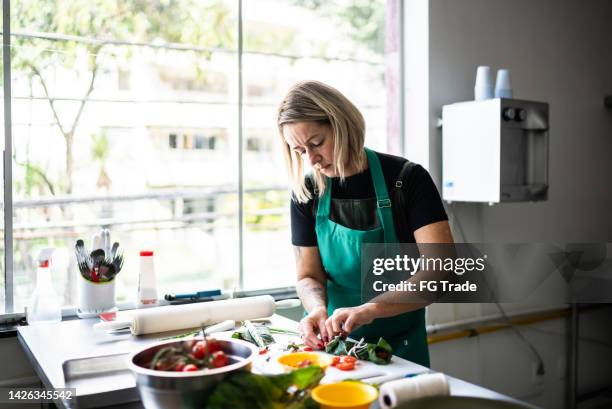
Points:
[(494, 151)]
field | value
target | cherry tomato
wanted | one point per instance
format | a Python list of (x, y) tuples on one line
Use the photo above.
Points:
[(307, 349), (179, 366), (199, 350), (348, 358), (213, 346), (219, 359), (190, 368), (346, 366), (335, 361)]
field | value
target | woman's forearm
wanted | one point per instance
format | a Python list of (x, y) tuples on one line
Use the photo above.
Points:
[(312, 293), (311, 281)]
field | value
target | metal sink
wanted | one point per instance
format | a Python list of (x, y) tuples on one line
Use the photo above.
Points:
[(100, 381)]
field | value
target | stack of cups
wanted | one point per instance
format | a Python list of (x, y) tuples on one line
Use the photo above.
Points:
[(503, 87), (483, 88)]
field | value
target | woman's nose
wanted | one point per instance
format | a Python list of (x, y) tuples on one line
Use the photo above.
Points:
[(312, 157)]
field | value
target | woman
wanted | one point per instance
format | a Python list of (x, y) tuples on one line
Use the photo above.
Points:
[(335, 209)]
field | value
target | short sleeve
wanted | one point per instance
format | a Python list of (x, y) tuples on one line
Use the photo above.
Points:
[(422, 200), (303, 224)]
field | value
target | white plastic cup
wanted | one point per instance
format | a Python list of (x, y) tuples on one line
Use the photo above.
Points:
[(483, 88), (95, 298), (503, 85)]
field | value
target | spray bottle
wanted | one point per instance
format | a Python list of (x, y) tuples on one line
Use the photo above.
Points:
[(45, 306)]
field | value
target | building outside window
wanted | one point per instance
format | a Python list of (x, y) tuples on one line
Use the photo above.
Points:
[(130, 121)]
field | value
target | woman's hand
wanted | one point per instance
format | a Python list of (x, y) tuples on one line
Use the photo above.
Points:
[(346, 320), (312, 325)]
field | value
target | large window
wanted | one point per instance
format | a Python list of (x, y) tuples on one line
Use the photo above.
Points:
[(3, 270), (156, 120)]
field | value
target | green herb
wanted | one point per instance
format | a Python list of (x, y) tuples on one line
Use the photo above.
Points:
[(379, 353), (293, 347), (274, 330), (245, 390), (179, 336), (166, 358), (258, 335)]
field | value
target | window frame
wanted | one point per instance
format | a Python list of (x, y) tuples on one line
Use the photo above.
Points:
[(9, 315), (8, 160)]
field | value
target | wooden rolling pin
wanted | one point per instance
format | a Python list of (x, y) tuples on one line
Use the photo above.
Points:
[(180, 317)]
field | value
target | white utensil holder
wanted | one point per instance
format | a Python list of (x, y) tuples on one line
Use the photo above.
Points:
[(95, 298)]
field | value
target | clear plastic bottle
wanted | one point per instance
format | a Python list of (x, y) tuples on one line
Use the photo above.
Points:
[(147, 288), (44, 306)]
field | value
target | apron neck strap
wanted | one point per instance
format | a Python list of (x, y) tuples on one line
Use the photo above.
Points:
[(383, 203), (324, 206)]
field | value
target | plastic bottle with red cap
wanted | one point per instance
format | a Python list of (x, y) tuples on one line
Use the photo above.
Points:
[(147, 288), (44, 306)]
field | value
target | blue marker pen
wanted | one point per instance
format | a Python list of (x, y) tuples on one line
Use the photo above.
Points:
[(192, 296)]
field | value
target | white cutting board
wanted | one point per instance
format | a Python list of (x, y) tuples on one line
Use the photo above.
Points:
[(364, 370)]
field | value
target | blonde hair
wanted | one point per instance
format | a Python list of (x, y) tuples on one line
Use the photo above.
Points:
[(317, 102)]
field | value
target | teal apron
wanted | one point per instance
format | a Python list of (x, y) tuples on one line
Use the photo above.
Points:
[(340, 249)]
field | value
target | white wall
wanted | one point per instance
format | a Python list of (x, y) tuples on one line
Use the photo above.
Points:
[(558, 51)]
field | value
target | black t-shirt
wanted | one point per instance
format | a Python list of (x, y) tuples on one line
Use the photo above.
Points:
[(422, 204)]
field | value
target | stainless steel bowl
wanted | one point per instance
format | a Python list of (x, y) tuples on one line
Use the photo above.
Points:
[(168, 390)]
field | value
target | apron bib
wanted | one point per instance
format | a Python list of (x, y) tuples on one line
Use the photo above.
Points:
[(340, 250)]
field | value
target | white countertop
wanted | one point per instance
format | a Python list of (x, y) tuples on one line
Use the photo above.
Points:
[(49, 346)]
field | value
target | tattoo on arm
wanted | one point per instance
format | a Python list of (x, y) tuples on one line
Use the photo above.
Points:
[(310, 286), (312, 293), (313, 289)]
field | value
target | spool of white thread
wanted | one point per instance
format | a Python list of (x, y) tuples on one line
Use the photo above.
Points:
[(397, 392)]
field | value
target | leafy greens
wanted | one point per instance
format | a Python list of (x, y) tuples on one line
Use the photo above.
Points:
[(254, 332), (379, 353), (245, 390)]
